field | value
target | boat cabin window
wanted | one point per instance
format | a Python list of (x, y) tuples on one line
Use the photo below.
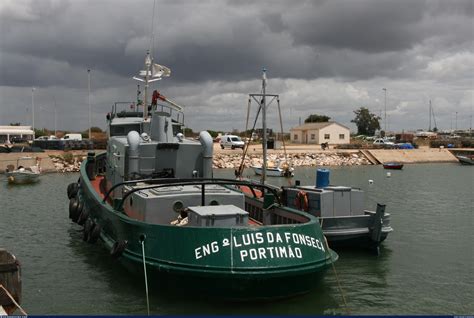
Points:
[(123, 130)]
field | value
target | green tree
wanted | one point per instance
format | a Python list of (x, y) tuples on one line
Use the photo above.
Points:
[(213, 133), (188, 132), (366, 122), (315, 118), (40, 132)]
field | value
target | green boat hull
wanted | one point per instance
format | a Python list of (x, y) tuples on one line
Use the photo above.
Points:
[(235, 263)]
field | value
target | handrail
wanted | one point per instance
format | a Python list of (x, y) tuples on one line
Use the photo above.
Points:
[(202, 181)]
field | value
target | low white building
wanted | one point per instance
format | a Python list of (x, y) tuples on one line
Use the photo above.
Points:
[(318, 133), (11, 134)]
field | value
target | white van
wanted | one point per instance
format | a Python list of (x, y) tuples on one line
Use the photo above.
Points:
[(232, 142), (72, 137)]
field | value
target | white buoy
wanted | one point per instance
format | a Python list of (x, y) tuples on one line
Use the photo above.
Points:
[(371, 181), (389, 174)]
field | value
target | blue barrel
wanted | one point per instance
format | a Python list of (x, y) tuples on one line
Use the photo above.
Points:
[(322, 178)]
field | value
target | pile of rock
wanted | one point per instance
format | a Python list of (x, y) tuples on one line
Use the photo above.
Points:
[(297, 160), (66, 164)]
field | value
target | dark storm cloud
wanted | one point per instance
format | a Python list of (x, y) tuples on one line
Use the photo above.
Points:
[(211, 41), (213, 45)]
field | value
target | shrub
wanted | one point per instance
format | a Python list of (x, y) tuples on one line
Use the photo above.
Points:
[(68, 157)]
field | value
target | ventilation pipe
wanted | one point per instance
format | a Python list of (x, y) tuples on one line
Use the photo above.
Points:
[(159, 128), (133, 139), (207, 149)]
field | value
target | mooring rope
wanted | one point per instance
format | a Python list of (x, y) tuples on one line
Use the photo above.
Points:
[(13, 300), (142, 241), (335, 273)]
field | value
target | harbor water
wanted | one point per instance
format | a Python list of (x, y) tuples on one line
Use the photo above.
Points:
[(426, 265)]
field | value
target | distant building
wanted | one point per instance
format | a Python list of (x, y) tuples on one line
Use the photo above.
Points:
[(12, 134), (259, 132), (317, 133)]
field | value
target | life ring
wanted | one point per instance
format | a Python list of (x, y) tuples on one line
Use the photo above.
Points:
[(301, 201), (118, 248)]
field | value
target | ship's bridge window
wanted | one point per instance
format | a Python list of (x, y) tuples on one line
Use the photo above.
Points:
[(123, 130)]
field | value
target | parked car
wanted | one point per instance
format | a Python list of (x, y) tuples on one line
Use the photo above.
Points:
[(231, 141), (381, 141), (72, 137), (52, 137)]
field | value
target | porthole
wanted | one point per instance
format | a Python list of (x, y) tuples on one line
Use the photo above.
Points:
[(178, 206)]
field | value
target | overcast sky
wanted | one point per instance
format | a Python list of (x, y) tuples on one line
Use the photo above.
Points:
[(323, 57)]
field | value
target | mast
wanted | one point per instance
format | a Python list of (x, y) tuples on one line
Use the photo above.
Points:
[(429, 127), (147, 72), (89, 98), (264, 126)]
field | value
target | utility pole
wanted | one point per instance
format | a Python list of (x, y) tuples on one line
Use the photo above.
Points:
[(385, 103), (33, 110), (89, 90), (55, 118)]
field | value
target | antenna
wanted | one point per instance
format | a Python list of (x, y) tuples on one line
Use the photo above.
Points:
[(152, 39)]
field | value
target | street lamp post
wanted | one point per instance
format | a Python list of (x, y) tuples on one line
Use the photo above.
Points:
[(89, 97), (385, 104), (33, 110), (55, 118)]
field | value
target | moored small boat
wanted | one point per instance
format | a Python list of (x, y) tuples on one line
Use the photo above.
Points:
[(466, 160), (274, 171), (23, 175), (340, 209), (10, 283), (393, 165)]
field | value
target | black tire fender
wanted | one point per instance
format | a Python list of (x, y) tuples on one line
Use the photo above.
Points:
[(88, 225), (72, 190), (83, 216), (94, 233), (118, 248), (73, 203), (77, 212)]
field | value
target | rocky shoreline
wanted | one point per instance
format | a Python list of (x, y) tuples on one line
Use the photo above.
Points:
[(232, 161), (59, 161), (226, 161), (67, 163)]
